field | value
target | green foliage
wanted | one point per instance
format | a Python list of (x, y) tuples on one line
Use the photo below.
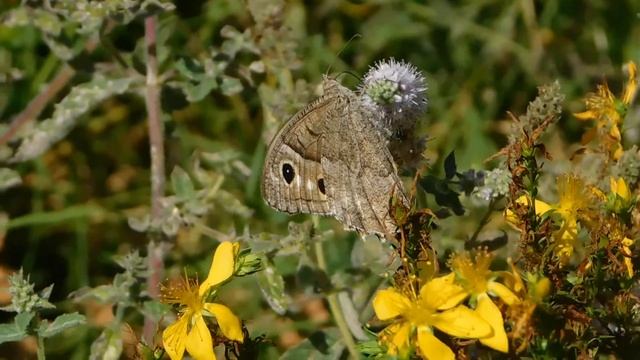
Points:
[(75, 177), (17, 330)]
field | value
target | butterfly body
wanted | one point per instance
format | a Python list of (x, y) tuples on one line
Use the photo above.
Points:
[(329, 159)]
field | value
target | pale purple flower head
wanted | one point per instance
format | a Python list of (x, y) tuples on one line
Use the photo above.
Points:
[(396, 90)]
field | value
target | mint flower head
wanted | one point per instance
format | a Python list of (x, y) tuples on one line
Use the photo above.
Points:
[(396, 90)]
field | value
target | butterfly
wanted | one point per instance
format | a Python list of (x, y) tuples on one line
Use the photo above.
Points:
[(329, 159)]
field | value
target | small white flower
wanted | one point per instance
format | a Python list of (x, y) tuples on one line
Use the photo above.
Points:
[(396, 90), (496, 184)]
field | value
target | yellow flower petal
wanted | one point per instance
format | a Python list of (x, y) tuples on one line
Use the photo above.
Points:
[(540, 290), (442, 292), (454, 300), (598, 193), (461, 322), (199, 343), (491, 314), (626, 252), (514, 277), (585, 115), (432, 348), (541, 208), (628, 264), (175, 336), (617, 151), (222, 266), (389, 303), (632, 84), (619, 187), (614, 132), (396, 338), (504, 293), (229, 323)]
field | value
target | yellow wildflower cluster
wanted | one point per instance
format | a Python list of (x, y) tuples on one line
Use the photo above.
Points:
[(609, 112), (575, 201), (191, 332), (439, 305), (577, 206)]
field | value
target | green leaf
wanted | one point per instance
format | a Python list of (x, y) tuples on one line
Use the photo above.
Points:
[(230, 86), (9, 178), (23, 320), (190, 68), (53, 217), (155, 310), (450, 167), (181, 183), (444, 195), (104, 294), (199, 79), (371, 348), (17, 330), (321, 345), (46, 292), (78, 101), (108, 346), (197, 92), (236, 42), (273, 288), (61, 323)]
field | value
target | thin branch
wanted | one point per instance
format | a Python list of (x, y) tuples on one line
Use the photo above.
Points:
[(156, 128), (156, 146), (38, 103), (35, 107), (483, 222)]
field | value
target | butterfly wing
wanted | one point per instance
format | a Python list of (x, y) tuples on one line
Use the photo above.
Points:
[(360, 172), (293, 178), (329, 160)]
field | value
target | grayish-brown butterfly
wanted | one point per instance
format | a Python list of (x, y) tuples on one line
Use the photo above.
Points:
[(329, 159)]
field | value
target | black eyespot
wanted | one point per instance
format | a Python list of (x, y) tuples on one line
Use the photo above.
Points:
[(321, 186), (288, 173)]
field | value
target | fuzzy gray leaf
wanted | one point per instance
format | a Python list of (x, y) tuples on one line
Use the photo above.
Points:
[(17, 330), (80, 99), (61, 323), (9, 178), (108, 346)]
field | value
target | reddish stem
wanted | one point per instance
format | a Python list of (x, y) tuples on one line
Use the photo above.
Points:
[(156, 146), (38, 103)]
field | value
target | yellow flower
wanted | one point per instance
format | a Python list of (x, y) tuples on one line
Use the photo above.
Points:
[(521, 314), (478, 280), (436, 306), (619, 187), (190, 331), (620, 200), (609, 112), (574, 199)]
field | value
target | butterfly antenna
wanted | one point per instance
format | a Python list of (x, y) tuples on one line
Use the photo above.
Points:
[(350, 73), (355, 36)]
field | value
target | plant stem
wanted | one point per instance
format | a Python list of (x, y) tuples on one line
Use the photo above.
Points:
[(334, 306), (483, 222), (156, 146), (35, 107), (40, 349)]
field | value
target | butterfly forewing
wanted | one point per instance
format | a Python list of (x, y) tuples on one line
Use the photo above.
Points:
[(292, 179)]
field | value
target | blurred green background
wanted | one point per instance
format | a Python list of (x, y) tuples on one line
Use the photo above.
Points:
[(481, 59)]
